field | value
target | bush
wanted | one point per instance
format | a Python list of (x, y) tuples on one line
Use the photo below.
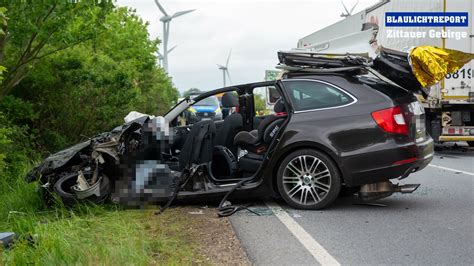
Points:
[(89, 88), (4, 142), (16, 151)]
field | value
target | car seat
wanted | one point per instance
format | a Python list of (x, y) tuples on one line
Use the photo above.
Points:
[(199, 144), (224, 164), (232, 123), (257, 140)]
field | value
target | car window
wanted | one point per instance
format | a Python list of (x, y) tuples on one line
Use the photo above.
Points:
[(263, 100), (272, 95), (209, 101), (307, 95), (208, 108)]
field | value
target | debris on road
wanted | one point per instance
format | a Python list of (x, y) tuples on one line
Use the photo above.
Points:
[(370, 204), (196, 212)]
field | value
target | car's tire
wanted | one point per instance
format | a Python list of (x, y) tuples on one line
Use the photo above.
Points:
[(62, 188), (311, 187)]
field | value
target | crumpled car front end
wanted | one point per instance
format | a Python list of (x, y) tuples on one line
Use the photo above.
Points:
[(124, 162)]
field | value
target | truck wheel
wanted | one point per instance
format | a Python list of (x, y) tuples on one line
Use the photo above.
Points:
[(308, 179)]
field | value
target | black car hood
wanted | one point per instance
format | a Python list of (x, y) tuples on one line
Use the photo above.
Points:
[(60, 158)]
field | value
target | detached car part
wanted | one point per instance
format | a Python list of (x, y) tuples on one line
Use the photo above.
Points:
[(7, 238), (370, 192)]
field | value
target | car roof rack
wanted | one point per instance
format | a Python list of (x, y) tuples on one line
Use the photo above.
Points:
[(308, 61)]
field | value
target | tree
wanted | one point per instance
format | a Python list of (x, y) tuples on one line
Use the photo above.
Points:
[(42, 28), (259, 103), (3, 25), (191, 91), (90, 87)]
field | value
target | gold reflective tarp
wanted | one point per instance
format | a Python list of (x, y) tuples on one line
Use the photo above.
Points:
[(430, 64)]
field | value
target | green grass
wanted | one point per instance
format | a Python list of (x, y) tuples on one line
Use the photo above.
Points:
[(90, 234)]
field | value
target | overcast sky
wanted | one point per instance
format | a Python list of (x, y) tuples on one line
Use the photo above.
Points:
[(254, 29)]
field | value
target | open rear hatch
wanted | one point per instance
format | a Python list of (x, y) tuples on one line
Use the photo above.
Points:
[(392, 64), (415, 71), (395, 66)]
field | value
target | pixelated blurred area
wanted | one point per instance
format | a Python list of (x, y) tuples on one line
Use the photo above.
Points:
[(128, 163), (145, 176)]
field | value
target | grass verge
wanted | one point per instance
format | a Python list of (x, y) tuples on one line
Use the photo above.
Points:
[(90, 234)]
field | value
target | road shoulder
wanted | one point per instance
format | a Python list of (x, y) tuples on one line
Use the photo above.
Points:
[(216, 240)]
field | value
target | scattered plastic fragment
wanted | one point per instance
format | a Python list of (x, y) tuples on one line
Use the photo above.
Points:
[(260, 211)]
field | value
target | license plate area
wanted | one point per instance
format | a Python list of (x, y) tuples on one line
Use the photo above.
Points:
[(417, 121)]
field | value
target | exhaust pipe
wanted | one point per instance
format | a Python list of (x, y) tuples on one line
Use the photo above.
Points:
[(370, 192), (408, 188)]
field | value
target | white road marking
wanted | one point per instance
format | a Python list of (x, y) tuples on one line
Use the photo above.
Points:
[(451, 169), (317, 251)]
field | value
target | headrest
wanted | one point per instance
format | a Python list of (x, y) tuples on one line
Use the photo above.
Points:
[(230, 99), (279, 106)]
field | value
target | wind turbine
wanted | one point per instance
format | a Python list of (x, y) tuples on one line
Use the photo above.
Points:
[(160, 56), (166, 19), (225, 69), (348, 13)]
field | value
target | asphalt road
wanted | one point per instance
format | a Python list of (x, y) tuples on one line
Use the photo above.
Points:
[(434, 225)]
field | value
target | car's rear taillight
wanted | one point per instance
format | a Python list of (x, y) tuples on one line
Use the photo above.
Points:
[(391, 120)]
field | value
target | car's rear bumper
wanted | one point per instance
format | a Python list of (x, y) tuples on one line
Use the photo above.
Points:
[(399, 162), (424, 157)]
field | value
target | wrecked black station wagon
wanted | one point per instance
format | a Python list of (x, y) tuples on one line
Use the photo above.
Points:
[(341, 122)]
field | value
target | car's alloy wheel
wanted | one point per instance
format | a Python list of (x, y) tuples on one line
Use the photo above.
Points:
[(308, 179)]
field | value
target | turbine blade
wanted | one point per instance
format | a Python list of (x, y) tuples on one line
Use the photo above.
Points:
[(172, 48), (180, 13), (228, 75), (161, 8), (220, 66), (345, 8), (228, 57), (354, 7)]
